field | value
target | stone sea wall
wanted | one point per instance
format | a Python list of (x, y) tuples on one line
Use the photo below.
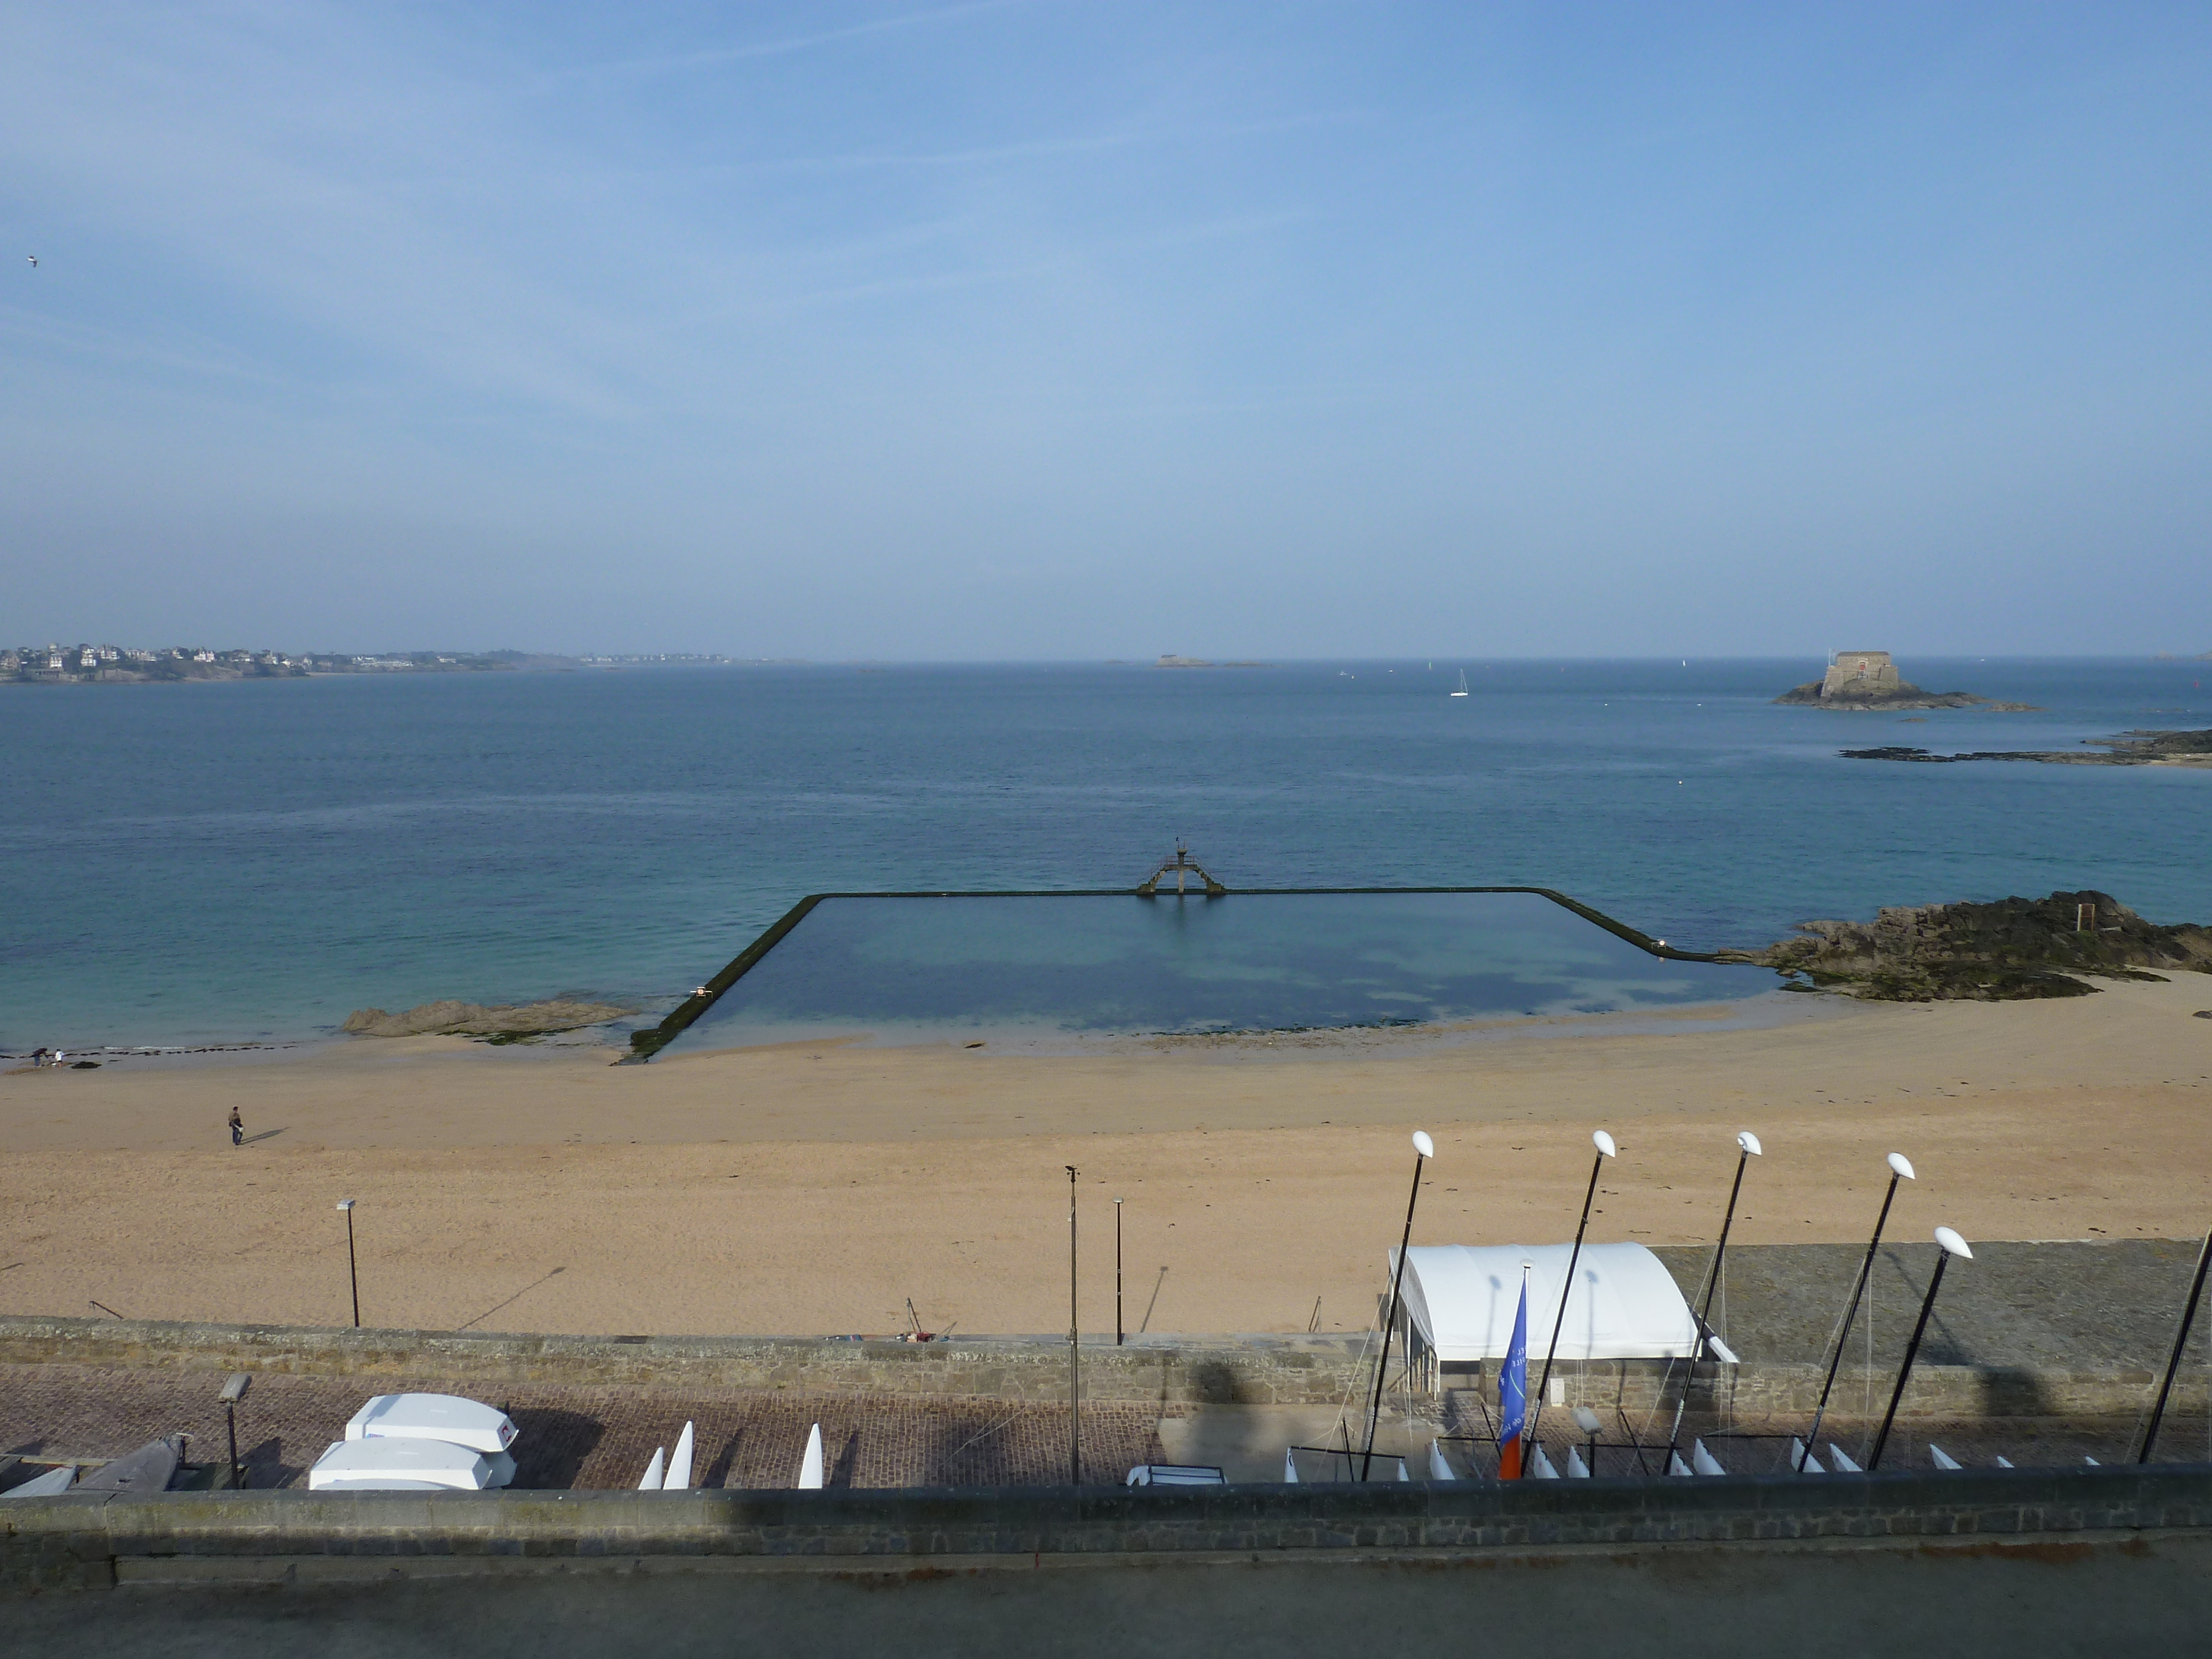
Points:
[(1247, 1371)]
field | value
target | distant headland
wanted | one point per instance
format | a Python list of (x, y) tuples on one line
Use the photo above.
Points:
[(1868, 681), (1200, 662), (87, 664)]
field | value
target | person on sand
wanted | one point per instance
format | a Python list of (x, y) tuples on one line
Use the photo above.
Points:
[(237, 1128)]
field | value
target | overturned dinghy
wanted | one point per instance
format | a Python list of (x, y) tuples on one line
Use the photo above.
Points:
[(150, 1468), (53, 1484), (1177, 1474), (400, 1464)]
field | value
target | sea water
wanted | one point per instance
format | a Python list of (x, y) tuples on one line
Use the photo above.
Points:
[(921, 969), (252, 860)]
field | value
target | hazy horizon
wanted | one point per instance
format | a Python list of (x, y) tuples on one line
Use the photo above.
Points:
[(1017, 331), (1280, 659)]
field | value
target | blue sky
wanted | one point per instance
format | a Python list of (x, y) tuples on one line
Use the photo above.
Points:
[(1035, 330)]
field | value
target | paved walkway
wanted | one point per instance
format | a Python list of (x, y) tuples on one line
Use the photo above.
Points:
[(579, 1437)]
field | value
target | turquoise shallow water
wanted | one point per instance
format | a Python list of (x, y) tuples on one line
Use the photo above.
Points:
[(253, 860), (908, 969)]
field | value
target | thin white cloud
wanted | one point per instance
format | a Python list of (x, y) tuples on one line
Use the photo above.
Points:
[(708, 57)]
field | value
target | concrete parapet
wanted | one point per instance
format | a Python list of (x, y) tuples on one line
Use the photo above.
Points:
[(86, 1542)]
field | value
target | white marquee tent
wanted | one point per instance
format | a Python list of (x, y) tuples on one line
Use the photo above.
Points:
[(1461, 1299)]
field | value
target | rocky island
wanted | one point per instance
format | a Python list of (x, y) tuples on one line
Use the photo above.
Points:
[(1867, 682), (2124, 749), (2012, 949)]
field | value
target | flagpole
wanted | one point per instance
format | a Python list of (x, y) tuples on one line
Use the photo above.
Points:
[(1423, 1149), (1900, 1169), (1603, 1142), (1747, 1148)]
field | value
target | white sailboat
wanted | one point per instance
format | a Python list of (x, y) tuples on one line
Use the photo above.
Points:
[(1463, 684)]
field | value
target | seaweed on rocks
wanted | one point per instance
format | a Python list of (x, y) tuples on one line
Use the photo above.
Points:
[(2013, 949), (499, 1025), (2123, 749)]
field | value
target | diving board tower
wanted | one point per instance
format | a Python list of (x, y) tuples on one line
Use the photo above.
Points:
[(1184, 867)]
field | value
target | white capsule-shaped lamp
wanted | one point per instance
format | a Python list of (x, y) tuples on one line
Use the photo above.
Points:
[(1423, 1145), (1750, 1142), (1902, 1166), (1953, 1244), (1603, 1142)]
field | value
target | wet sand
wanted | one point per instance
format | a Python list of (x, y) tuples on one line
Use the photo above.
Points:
[(815, 1187)]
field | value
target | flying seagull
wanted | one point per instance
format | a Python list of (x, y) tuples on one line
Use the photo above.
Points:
[(33, 258)]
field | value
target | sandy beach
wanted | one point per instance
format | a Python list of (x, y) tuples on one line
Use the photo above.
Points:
[(814, 1187)]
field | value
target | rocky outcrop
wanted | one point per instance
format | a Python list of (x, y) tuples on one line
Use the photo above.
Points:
[(1868, 681), (475, 1019), (2014, 949), (1904, 695), (2126, 749)]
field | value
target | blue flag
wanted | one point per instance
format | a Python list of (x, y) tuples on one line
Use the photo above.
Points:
[(1513, 1391)]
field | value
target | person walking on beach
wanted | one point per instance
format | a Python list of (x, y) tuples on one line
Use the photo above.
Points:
[(237, 1128)]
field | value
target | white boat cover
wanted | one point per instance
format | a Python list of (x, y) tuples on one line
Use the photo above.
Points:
[(433, 1417), (403, 1465), (1625, 1304)]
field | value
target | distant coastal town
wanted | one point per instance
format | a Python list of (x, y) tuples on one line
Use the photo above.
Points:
[(86, 664)]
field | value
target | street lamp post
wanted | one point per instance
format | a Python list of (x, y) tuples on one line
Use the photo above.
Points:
[(1953, 1245), (1423, 1149), (2181, 1341), (353, 1269), (1074, 1350), (1117, 1273), (233, 1390), (1900, 1169), (1606, 1149), (1747, 1148)]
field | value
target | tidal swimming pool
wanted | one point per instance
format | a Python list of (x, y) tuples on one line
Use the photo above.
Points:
[(928, 968)]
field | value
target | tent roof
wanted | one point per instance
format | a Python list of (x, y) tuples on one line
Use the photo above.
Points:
[(1625, 1304)]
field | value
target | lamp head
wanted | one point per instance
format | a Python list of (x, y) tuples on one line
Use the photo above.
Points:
[(234, 1389), (1588, 1420), (1902, 1166), (1423, 1145), (1603, 1142), (345, 1203), (1953, 1244), (1749, 1143)]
